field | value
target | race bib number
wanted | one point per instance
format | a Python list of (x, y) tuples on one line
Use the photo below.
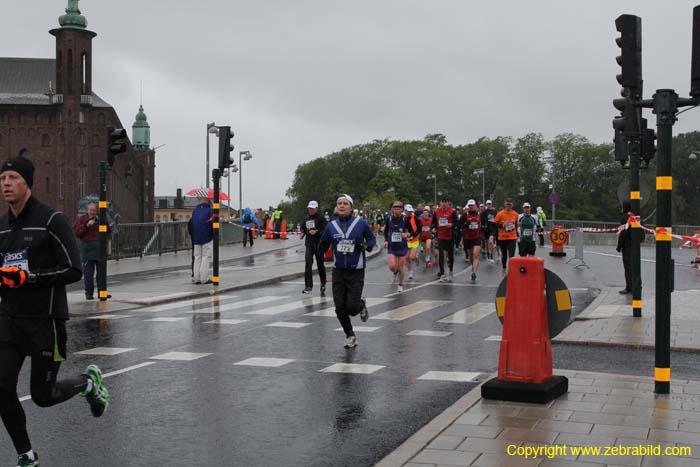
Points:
[(527, 233), (346, 246), (426, 228), (510, 226), (396, 237), (473, 226), (310, 225), (18, 259), (442, 222)]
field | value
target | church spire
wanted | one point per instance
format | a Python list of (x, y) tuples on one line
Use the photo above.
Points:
[(72, 19)]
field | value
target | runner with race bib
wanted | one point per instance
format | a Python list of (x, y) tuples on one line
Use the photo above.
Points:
[(507, 222)]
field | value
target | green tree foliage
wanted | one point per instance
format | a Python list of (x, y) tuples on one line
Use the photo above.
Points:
[(583, 173)]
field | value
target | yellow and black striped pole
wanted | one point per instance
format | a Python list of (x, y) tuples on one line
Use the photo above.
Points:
[(102, 270), (665, 107), (216, 175)]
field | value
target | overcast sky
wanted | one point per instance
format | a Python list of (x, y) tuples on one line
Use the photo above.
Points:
[(297, 80)]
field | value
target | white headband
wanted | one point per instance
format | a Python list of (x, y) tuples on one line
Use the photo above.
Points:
[(345, 197)]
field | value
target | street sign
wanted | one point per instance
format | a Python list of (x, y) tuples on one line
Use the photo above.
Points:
[(554, 198), (559, 237)]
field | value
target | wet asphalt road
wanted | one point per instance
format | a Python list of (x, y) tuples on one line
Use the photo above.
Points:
[(213, 411)]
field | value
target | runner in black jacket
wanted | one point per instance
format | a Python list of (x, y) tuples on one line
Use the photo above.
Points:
[(39, 257)]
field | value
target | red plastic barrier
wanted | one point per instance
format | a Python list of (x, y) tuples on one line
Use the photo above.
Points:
[(268, 229), (526, 350), (283, 230)]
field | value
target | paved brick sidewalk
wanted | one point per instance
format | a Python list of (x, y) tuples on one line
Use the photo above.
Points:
[(599, 410), (609, 321)]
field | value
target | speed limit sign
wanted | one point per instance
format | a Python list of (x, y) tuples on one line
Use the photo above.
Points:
[(559, 237)]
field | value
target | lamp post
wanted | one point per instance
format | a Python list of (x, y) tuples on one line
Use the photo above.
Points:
[(248, 156), (434, 178), (213, 130), (482, 172), (233, 169)]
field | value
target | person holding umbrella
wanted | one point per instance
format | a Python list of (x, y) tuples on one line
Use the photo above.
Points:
[(203, 238)]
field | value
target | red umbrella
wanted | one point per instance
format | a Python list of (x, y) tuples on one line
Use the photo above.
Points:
[(208, 192)]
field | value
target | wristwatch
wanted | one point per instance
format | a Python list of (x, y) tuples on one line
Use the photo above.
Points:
[(31, 279)]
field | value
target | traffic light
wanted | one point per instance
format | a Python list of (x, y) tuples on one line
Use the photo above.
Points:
[(648, 142), (630, 58), (114, 147), (621, 154), (225, 147), (695, 55)]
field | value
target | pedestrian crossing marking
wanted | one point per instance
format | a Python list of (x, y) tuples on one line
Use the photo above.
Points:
[(493, 338), (287, 324), (105, 351), (275, 310), (168, 319), (184, 304), (264, 361), (456, 376), (429, 333), (109, 317), (362, 328), (469, 315), (237, 305), (330, 310), (358, 368), (408, 311), (180, 356), (226, 321)]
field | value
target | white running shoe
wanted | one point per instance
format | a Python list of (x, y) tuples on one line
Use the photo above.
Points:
[(350, 342), (449, 277), (399, 288), (492, 261), (410, 276)]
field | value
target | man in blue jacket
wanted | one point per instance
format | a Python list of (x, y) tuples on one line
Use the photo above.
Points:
[(202, 218), (348, 237)]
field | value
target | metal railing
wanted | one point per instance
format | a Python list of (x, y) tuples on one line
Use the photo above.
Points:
[(156, 238), (611, 238)]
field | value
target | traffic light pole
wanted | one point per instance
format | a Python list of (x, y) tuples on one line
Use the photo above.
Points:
[(636, 232), (216, 175), (102, 270)]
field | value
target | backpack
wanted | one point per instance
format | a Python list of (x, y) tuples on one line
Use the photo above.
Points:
[(247, 219)]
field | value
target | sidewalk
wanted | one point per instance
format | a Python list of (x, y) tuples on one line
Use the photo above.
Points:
[(599, 410), (268, 261), (609, 321)]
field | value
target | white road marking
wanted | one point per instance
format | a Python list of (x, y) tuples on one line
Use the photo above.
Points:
[(180, 356), (418, 332), (109, 317), (352, 368), (276, 310), (226, 321), (105, 351), (237, 305), (470, 315), (184, 304), (493, 338), (457, 376), (330, 310), (362, 328), (287, 324), (408, 311), (266, 362), (165, 319)]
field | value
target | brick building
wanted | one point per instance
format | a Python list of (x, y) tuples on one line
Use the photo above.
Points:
[(48, 107)]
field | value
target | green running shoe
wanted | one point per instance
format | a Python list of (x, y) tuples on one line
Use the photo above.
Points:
[(98, 397), (473, 277), (25, 461)]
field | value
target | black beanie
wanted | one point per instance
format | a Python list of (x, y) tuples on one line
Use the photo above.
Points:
[(22, 165)]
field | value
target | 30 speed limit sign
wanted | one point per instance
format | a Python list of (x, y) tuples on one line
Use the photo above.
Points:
[(559, 237)]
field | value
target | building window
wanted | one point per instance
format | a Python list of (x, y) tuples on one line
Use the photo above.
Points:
[(84, 74), (157, 217), (81, 117), (45, 140), (61, 193), (70, 71), (81, 181), (48, 190)]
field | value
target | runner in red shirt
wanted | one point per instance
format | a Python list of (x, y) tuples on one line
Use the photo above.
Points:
[(445, 223)]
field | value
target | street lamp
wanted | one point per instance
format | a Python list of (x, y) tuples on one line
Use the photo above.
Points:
[(227, 174), (248, 156), (213, 130), (482, 172), (433, 177), (693, 156)]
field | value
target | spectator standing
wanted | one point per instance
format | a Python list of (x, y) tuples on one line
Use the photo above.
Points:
[(202, 219)]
